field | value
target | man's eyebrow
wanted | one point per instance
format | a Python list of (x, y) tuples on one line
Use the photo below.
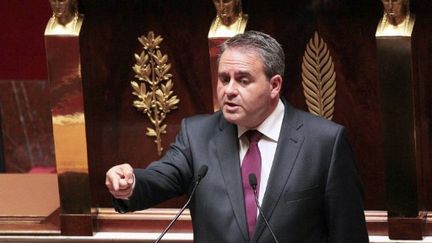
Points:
[(242, 73), (236, 73), (220, 73)]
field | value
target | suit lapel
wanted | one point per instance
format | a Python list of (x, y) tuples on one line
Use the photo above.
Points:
[(289, 144), (226, 146)]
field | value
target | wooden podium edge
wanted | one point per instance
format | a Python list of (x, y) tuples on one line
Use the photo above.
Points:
[(154, 221)]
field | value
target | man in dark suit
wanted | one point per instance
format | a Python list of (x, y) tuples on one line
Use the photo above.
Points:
[(307, 180)]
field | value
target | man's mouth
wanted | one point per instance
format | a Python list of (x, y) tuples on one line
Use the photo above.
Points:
[(230, 104)]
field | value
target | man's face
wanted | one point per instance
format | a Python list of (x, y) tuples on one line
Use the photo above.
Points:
[(60, 7), (395, 8), (246, 96)]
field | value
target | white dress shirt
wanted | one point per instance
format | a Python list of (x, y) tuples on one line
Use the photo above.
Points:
[(270, 128)]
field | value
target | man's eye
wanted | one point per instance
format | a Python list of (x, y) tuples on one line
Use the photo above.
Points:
[(244, 81), (224, 80)]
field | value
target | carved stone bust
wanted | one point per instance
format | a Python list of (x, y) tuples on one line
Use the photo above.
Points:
[(397, 20), (65, 19), (229, 20)]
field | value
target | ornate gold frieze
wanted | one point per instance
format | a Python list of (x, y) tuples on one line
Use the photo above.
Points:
[(153, 86), (319, 78)]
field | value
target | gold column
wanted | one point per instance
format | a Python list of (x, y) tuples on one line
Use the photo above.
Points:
[(68, 119)]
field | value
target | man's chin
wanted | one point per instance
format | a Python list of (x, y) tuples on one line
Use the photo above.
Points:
[(230, 117)]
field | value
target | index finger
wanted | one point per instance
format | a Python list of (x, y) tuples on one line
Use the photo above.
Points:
[(127, 172)]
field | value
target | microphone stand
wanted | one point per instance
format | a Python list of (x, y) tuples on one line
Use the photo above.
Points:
[(253, 184), (201, 173)]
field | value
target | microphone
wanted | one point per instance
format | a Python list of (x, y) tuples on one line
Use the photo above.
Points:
[(201, 174), (253, 184)]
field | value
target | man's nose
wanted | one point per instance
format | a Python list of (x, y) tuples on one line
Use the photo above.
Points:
[(231, 88)]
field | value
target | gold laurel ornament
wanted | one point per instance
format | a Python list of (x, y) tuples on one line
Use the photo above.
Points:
[(154, 86), (319, 78)]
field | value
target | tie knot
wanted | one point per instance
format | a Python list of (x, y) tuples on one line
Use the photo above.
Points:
[(253, 136)]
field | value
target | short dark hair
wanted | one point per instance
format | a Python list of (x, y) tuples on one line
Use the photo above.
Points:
[(271, 52)]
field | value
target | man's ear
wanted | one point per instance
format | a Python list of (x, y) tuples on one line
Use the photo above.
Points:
[(276, 85)]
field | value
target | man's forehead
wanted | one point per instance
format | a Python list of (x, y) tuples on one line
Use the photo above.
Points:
[(240, 64), (241, 52), (394, 1), (239, 57)]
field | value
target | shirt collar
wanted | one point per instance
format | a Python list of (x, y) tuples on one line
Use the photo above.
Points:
[(271, 126)]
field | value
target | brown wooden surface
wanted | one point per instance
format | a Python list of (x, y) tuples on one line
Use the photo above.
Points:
[(108, 42), (422, 51), (76, 224), (116, 130), (406, 228), (397, 104), (156, 221), (151, 220)]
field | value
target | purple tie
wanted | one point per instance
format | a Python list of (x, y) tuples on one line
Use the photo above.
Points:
[(251, 164)]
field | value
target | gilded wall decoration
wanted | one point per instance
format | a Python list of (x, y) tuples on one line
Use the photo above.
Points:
[(319, 78), (154, 86)]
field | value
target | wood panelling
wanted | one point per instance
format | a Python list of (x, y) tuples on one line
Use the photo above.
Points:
[(152, 220), (116, 130), (23, 54)]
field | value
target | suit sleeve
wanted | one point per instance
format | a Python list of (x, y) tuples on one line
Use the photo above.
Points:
[(344, 196), (169, 177)]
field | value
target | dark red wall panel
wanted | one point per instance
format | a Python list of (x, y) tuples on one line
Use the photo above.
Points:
[(22, 53)]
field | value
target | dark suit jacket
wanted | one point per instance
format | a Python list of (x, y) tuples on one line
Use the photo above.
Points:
[(313, 195)]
